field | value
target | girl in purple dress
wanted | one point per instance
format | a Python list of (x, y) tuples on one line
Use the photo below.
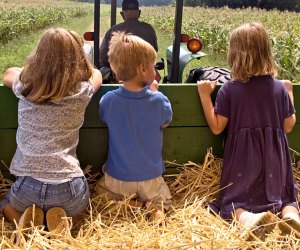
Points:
[(257, 178)]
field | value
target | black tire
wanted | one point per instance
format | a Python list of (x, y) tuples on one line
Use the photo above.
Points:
[(220, 74)]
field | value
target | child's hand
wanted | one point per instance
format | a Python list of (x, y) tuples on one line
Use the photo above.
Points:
[(154, 86), (205, 87), (288, 85), (9, 76)]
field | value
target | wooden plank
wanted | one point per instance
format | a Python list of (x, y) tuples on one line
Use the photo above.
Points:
[(8, 108), (187, 139), (181, 144), (187, 110), (294, 139), (91, 119), (184, 98), (7, 150), (92, 147)]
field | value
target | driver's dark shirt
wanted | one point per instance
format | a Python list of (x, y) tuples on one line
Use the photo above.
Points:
[(133, 26)]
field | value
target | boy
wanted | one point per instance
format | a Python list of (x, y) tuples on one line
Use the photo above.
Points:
[(135, 116)]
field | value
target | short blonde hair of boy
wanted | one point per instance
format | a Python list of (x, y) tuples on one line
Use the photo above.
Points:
[(127, 52), (55, 68), (250, 52)]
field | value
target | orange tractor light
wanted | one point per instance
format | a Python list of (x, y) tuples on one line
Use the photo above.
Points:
[(194, 45)]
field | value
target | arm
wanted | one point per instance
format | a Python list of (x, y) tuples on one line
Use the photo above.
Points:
[(9, 76), (216, 123), (96, 79), (154, 86), (167, 112), (289, 122)]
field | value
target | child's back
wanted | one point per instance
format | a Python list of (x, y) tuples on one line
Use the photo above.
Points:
[(135, 121), (135, 116), (54, 88), (257, 174), (256, 152), (48, 135)]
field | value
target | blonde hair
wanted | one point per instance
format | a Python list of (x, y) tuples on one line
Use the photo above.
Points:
[(56, 67), (250, 53), (127, 52)]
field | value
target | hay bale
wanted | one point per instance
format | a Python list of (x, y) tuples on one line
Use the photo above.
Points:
[(188, 225)]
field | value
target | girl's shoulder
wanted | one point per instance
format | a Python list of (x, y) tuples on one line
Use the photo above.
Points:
[(83, 92), (17, 87), (85, 88)]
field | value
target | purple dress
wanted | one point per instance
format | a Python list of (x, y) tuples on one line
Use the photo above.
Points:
[(257, 173)]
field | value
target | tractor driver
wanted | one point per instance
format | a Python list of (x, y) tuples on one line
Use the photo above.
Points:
[(130, 13)]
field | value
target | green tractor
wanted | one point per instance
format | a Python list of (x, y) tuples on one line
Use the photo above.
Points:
[(178, 55)]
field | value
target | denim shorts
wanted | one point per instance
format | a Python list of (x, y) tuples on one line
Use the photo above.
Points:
[(73, 196)]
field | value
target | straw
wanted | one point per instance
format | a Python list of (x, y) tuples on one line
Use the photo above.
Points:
[(188, 224)]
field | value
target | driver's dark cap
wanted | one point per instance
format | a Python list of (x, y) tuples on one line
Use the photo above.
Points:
[(130, 5)]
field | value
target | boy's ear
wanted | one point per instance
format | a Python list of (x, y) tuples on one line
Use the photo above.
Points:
[(142, 68)]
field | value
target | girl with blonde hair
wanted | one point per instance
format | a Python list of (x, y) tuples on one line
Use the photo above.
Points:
[(257, 177), (54, 88)]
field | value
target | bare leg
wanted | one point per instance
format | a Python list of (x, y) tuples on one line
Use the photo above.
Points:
[(11, 214), (157, 215), (238, 213), (290, 221), (259, 224), (136, 203), (290, 212)]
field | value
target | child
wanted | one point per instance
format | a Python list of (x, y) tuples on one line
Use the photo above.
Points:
[(135, 116), (54, 88), (257, 177)]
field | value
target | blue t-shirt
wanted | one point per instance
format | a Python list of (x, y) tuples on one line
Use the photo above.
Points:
[(135, 121)]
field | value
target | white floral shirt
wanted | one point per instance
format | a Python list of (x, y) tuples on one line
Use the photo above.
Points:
[(48, 135)]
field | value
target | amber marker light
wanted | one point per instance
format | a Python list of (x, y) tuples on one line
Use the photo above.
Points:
[(194, 45)]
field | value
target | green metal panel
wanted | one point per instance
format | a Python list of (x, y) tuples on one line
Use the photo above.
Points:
[(184, 98), (92, 148), (8, 108), (181, 144), (7, 149), (294, 138), (186, 139)]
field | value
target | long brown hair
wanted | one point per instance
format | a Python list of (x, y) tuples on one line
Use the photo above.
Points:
[(55, 68), (250, 53)]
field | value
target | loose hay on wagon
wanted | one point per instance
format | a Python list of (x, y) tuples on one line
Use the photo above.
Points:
[(188, 225), (116, 225)]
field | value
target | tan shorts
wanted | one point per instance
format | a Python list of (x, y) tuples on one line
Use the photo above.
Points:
[(154, 190)]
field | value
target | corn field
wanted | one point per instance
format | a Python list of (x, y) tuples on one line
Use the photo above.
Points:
[(214, 26), (15, 22)]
